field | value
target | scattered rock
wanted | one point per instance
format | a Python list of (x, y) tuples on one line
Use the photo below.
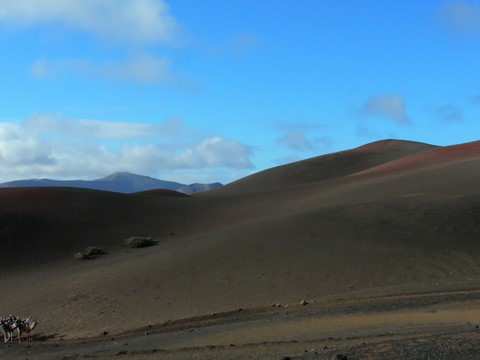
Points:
[(105, 333), (303, 303), (146, 333)]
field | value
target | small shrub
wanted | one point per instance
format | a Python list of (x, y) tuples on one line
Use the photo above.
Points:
[(89, 253), (92, 251), (139, 242)]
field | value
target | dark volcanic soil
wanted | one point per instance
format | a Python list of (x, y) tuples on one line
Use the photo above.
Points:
[(346, 230), (438, 325)]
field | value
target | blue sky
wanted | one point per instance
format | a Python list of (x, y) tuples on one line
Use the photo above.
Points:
[(213, 90)]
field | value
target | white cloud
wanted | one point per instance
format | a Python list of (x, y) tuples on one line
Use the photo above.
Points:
[(461, 17), (295, 139), (390, 106), (119, 20), (135, 24), (58, 124), (48, 146), (20, 148), (141, 69), (216, 152), (295, 135), (43, 68)]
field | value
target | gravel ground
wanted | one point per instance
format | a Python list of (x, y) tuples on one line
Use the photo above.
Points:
[(465, 346), (295, 333)]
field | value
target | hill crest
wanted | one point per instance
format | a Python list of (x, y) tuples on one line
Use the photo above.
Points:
[(328, 167)]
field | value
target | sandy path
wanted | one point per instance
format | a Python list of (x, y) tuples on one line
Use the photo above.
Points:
[(295, 331)]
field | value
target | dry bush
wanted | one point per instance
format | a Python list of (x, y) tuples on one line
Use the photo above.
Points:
[(139, 242), (89, 253)]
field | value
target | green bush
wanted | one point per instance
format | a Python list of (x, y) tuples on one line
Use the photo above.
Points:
[(89, 253), (139, 242), (93, 250)]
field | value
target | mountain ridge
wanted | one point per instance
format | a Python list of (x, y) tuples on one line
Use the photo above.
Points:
[(121, 182)]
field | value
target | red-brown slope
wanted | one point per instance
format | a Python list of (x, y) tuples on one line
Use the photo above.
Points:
[(325, 167), (429, 157)]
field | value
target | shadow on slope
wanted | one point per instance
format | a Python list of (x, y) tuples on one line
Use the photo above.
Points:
[(42, 225)]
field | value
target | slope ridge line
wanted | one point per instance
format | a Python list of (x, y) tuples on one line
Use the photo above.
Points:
[(428, 157)]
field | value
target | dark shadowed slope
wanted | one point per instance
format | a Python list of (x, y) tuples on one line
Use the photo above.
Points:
[(50, 224)]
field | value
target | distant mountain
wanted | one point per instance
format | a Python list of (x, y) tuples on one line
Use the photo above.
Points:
[(122, 182), (129, 183)]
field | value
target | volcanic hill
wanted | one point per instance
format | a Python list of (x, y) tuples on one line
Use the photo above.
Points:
[(387, 214)]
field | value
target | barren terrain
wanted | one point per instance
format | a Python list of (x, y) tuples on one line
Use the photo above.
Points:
[(381, 241)]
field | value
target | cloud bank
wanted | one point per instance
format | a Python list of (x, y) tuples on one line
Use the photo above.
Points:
[(146, 21), (50, 146), (132, 24)]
